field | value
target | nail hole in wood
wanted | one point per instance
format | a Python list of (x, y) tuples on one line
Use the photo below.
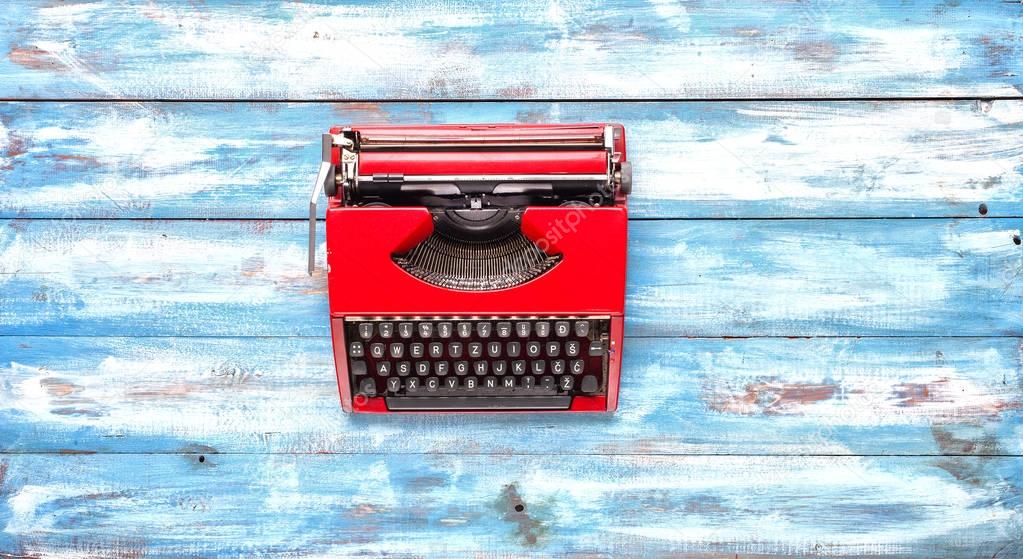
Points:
[(982, 209), (1015, 239), (202, 458), (520, 507)]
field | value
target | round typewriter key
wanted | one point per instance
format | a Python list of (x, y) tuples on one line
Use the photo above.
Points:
[(358, 368), (494, 349), (483, 329), (561, 328), (436, 350), (397, 350), (518, 367), (451, 383), (596, 348), (383, 368), (508, 382), (543, 329), (475, 350), (405, 330), (444, 329), (416, 350), (538, 366), (528, 382), (572, 348), (514, 349), (558, 366), (425, 329), (480, 367), (403, 368), (500, 367), (522, 329), (366, 330), (582, 328), (355, 349), (422, 368), (548, 383), (461, 368), (504, 329), (577, 366), (393, 385), (368, 387), (441, 368), (589, 384), (432, 384), (470, 383), (567, 382), (376, 350), (386, 329), (490, 382), (465, 329), (533, 349), (455, 349), (553, 349), (412, 385)]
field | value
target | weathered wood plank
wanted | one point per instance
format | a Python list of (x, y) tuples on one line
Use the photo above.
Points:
[(442, 49), (686, 278), (486, 506), (935, 396), (242, 160)]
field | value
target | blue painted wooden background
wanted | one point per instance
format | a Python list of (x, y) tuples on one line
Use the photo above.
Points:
[(824, 352)]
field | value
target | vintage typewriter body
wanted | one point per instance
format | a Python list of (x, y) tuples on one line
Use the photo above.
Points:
[(476, 267)]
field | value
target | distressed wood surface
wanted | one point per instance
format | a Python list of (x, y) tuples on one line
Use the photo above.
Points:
[(770, 396), (245, 160), (500, 506), (930, 277), (443, 49)]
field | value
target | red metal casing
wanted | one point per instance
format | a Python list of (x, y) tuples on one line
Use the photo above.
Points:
[(363, 280)]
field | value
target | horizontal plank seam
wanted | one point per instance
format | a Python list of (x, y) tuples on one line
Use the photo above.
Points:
[(72, 453), (744, 218), (849, 99)]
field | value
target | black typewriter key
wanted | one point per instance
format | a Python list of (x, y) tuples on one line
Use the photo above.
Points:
[(403, 368), (576, 366), (567, 382), (514, 349), (425, 329), (504, 329), (366, 330), (405, 330), (494, 349), (470, 383), (508, 382), (412, 385), (558, 366), (368, 386), (533, 349), (596, 348), (522, 329), (538, 366), (572, 348), (561, 328), (441, 368), (483, 329), (376, 350), (461, 368), (436, 350), (490, 382), (358, 367), (589, 384), (355, 349), (464, 329), (500, 367), (444, 329), (455, 349), (528, 382), (480, 367), (548, 383), (422, 368), (518, 367), (475, 350), (383, 368), (393, 385), (553, 349), (432, 384), (451, 383), (582, 328), (543, 329), (397, 351), (416, 350), (386, 329)]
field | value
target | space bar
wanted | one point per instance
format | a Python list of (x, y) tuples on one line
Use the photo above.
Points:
[(440, 403)]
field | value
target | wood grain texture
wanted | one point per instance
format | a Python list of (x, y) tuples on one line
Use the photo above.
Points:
[(933, 277), (905, 396), (442, 49), (502, 506), (244, 160)]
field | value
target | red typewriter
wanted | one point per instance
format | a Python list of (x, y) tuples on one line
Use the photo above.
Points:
[(475, 267)]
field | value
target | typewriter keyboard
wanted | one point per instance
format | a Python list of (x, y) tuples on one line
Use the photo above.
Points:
[(478, 364)]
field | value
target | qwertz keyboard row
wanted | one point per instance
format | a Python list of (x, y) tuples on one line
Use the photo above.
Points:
[(479, 328)]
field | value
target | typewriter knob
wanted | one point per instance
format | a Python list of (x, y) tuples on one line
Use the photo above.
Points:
[(625, 177)]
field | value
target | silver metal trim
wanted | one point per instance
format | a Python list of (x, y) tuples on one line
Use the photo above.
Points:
[(321, 178), (500, 178)]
